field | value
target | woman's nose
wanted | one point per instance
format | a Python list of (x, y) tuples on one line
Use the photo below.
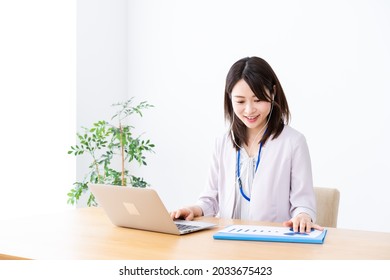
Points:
[(249, 108)]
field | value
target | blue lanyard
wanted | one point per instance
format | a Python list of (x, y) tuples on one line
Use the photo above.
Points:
[(238, 170)]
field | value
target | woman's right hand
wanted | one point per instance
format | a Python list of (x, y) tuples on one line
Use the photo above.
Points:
[(187, 213)]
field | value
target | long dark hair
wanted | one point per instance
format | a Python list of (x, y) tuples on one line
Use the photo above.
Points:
[(258, 74)]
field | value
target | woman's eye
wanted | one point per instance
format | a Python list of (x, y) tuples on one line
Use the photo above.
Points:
[(257, 100), (240, 102)]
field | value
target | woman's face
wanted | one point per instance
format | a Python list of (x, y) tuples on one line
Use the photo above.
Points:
[(248, 108)]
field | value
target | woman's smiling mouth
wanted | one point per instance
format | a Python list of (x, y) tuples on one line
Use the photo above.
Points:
[(252, 119)]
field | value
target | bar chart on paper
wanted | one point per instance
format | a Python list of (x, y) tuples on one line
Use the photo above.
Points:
[(268, 233)]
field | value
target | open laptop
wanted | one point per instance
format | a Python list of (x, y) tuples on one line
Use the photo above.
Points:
[(140, 208)]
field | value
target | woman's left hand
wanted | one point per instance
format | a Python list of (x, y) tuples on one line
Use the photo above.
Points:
[(302, 223)]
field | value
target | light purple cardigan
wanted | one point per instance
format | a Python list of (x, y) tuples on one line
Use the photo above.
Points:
[(282, 186)]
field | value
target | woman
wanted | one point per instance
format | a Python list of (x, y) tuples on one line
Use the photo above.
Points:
[(261, 168)]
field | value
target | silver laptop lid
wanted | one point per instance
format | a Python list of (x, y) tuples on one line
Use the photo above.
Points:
[(138, 208)]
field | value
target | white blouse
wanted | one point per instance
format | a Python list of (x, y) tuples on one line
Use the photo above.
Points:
[(247, 174), (281, 188)]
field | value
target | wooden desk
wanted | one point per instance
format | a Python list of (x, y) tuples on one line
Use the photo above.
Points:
[(88, 234)]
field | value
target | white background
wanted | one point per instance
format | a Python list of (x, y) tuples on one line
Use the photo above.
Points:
[(37, 105), (331, 57)]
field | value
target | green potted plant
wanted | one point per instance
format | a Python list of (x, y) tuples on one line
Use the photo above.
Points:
[(106, 143)]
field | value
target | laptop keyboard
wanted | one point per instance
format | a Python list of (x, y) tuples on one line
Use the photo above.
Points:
[(186, 227)]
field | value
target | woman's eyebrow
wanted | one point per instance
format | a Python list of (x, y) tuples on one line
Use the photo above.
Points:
[(241, 96)]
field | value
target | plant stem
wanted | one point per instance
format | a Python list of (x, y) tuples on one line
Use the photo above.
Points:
[(96, 165), (122, 154), (97, 171)]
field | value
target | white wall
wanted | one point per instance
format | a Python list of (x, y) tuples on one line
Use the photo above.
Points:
[(101, 64), (331, 57), (37, 105)]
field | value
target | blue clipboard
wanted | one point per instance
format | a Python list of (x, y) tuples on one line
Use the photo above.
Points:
[(269, 234)]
